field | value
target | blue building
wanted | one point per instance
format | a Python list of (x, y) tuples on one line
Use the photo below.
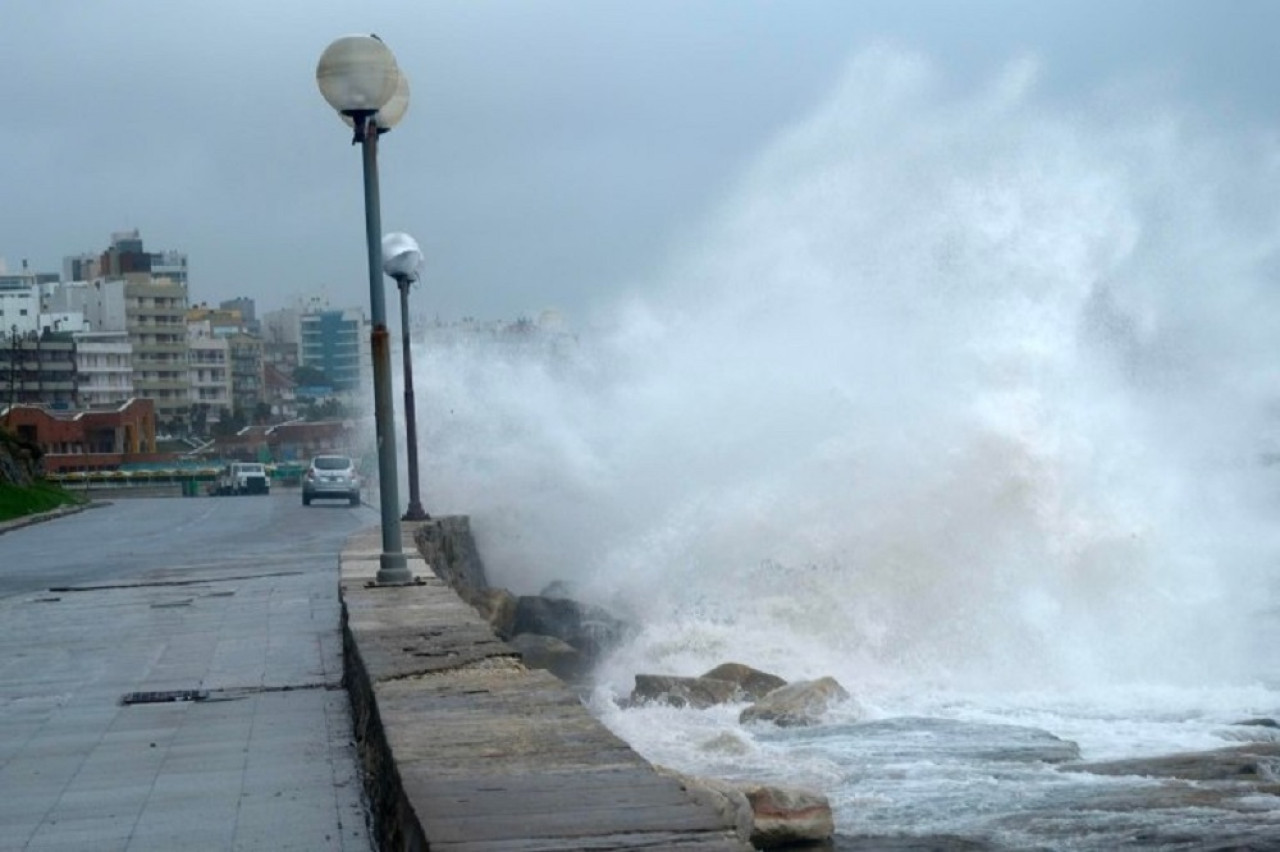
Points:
[(336, 342)]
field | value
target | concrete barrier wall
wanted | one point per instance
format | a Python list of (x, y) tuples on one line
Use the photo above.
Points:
[(466, 749)]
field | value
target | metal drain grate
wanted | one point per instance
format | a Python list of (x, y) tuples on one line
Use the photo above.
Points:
[(164, 697)]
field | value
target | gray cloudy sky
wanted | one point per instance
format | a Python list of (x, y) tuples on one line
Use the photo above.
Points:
[(554, 152)]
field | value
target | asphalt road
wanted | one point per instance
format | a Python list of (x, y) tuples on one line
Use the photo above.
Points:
[(149, 539)]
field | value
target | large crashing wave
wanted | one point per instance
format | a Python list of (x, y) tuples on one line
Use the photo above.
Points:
[(957, 386)]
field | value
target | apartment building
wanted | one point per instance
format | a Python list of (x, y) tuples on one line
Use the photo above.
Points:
[(155, 317), (19, 305), (104, 368), (336, 342), (38, 369), (209, 371), (246, 372)]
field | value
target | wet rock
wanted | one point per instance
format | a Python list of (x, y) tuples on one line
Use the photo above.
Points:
[(784, 817), (557, 589), (498, 607), (923, 843), (765, 816), (696, 692), (1255, 762), (752, 684), (723, 684), (953, 740), (726, 743), (804, 702), (1250, 734), (590, 629), (551, 654), (1195, 816), (1260, 722), (727, 800)]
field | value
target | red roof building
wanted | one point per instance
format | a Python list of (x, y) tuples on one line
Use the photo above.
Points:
[(87, 440)]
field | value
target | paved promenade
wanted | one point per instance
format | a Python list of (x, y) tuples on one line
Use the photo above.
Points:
[(202, 706), (93, 756)]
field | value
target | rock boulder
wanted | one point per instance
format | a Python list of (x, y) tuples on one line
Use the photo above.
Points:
[(590, 629), (801, 703), (764, 816), (695, 692), (783, 817), (554, 655), (752, 684)]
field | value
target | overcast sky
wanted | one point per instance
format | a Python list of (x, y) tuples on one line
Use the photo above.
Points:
[(554, 154)]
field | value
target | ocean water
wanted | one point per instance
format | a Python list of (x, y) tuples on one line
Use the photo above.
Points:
[(966, 398)]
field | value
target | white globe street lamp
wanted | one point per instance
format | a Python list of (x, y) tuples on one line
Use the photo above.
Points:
[(402, 260), (359, 78), (357, 74), (390, 113)]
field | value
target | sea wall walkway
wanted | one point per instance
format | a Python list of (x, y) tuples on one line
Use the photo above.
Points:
[(465, 749)]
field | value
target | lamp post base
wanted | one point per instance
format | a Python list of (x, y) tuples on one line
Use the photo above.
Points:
[(415, 512), (393, 570)]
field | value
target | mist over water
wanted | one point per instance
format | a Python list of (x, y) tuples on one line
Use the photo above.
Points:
[(957, 388)]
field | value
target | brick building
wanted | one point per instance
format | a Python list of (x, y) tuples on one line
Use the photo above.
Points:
[(99, 439)]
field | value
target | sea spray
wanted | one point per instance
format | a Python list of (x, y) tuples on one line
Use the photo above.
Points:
[(953, 389)]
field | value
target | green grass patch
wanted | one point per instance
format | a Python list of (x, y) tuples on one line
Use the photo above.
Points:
[(17, 500)]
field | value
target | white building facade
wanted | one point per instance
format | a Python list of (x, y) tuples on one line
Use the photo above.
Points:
[(104, 368), (209, 370), (19, 308)]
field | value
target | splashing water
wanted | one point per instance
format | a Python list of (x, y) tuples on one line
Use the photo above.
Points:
[(955, 389)]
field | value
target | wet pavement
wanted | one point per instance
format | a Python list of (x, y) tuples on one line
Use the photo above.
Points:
[(196, 703)]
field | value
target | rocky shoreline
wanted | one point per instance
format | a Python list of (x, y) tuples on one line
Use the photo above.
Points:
[(566, 637)]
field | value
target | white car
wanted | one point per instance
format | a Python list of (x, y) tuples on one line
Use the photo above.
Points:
[(243, 478), (331, 477)]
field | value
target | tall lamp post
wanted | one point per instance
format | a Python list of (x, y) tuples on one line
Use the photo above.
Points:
[(359, 78), (402, 260)]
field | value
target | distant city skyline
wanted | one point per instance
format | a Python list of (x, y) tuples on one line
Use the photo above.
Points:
[(555, 154)]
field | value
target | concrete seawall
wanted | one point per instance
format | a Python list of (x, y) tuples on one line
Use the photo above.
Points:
[(465, 749)]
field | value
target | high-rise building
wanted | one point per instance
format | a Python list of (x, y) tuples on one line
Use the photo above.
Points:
[(38, 368), (246, 373), (125, 256), (156, 319), (171, 265), (104, 368), (336, 342), (209, 369), (129, 298), (81, 267)]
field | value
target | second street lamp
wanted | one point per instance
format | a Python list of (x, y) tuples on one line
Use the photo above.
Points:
[(402, 260), (359, 78)]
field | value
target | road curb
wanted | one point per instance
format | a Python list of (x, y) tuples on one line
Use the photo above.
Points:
[(51, 515)]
